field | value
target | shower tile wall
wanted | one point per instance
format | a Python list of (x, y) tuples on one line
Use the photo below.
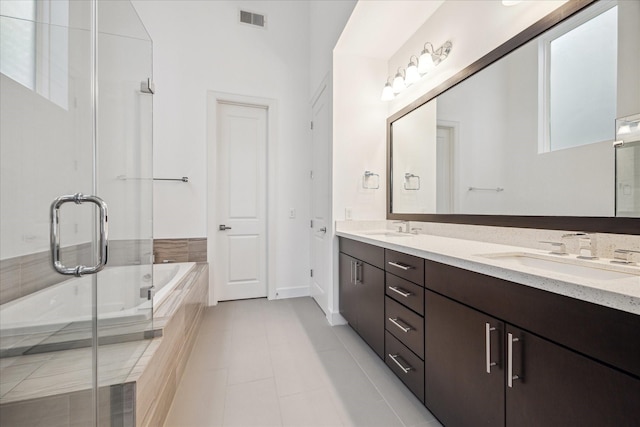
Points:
[(180, 250)]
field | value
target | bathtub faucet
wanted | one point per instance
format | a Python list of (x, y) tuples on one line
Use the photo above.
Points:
[(167, 261)]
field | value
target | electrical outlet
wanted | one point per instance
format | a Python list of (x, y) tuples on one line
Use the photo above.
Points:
[(292, 213), (347, 214)]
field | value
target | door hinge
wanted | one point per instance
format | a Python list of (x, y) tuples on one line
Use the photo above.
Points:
[(311, 221), (311, 272), (311, 174), (312, 125)]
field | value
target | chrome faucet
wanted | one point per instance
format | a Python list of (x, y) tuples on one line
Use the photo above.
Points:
[(586, 245), (559, 247), (403, 224), (623, 256)]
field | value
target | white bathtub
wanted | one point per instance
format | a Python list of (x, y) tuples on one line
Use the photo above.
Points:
[(119, 297)]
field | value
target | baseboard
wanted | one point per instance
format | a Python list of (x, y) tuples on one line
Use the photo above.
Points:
[(335, 318), (298, 291)]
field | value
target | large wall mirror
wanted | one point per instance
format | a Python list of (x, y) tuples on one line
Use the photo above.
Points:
[(528, 139)]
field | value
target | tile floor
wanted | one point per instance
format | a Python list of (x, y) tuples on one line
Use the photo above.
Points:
[(279, 363)]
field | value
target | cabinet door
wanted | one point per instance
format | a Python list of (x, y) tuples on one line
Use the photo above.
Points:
[(370, 292), (458, 388), (347, 291), (558, 387)]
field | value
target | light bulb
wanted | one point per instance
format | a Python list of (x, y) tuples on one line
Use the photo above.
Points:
[(425, 62), (387, 92), (398, 83), (412, 74)]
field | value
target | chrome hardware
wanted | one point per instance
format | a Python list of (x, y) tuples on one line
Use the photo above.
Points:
[(103, 245), (497, 189), (351, 271), (355, 270), (404, 267), (147, 86), (510, 376), (415, 230), (394, 357), (167, 261), (623, 256), (365, 181), (400, 227), (400, 291), (562, 247), (487, 345), (407, 179), (323, 229), (147, 292), (223, 227), (182, 179), (405, 329), (617, 144), (586, 249)]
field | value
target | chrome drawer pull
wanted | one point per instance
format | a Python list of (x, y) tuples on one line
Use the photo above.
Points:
[(394, 357), (394, 320), (487, 345), (404, 267), (400, 291), (510, 376)]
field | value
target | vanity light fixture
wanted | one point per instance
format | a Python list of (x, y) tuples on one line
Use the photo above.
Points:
[(417, 68), (398, 82), (387, 92), (412, 74)]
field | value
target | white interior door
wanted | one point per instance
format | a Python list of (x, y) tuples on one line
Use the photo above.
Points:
[(320, 229), (241, 243)]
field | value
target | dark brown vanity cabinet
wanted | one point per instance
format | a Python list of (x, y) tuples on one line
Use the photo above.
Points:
[(361, 291), (482, 370), (464, 369), (404, 319)]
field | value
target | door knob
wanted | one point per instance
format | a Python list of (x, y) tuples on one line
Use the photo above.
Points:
[(223, 227), (323, 229)]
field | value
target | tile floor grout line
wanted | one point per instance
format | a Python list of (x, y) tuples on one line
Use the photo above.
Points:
[(369, 378)]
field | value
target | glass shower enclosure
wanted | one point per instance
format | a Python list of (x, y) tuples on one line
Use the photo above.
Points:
[(76, 187)]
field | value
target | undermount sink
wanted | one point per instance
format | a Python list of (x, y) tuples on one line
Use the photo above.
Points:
[(386, 233), (568, 266)]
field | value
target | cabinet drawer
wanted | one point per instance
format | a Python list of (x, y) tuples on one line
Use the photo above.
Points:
[(405, 364), (405, 325), (405, 292), (406, 266), (373, 255)]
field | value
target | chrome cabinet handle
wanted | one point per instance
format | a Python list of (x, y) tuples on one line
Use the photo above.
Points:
[(394, 357), (351, 271), (510, 376), (223, 227), (400, 291), (54, 235), (487, 345), (401, 266), (405, 329)]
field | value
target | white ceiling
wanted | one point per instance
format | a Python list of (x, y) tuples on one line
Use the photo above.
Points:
[(373, 30)]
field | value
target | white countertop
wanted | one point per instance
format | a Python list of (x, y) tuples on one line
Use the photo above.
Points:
[(622, 294)]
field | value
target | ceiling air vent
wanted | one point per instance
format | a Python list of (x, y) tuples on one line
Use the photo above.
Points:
[(252, 18)]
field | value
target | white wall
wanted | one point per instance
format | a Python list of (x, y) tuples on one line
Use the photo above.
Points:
[(475, 28), (199, 47)]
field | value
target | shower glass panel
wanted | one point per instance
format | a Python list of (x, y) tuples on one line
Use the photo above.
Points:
[(73, 120)]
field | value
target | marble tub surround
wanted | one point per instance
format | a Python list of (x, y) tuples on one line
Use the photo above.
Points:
[(158, 371), (139, 374), (23, 275), (180, 250), (472, 253)]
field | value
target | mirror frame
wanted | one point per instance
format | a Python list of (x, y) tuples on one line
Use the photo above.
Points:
[(617, 225)]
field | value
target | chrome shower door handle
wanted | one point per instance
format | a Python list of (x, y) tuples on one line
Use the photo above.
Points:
[(54, 238)]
